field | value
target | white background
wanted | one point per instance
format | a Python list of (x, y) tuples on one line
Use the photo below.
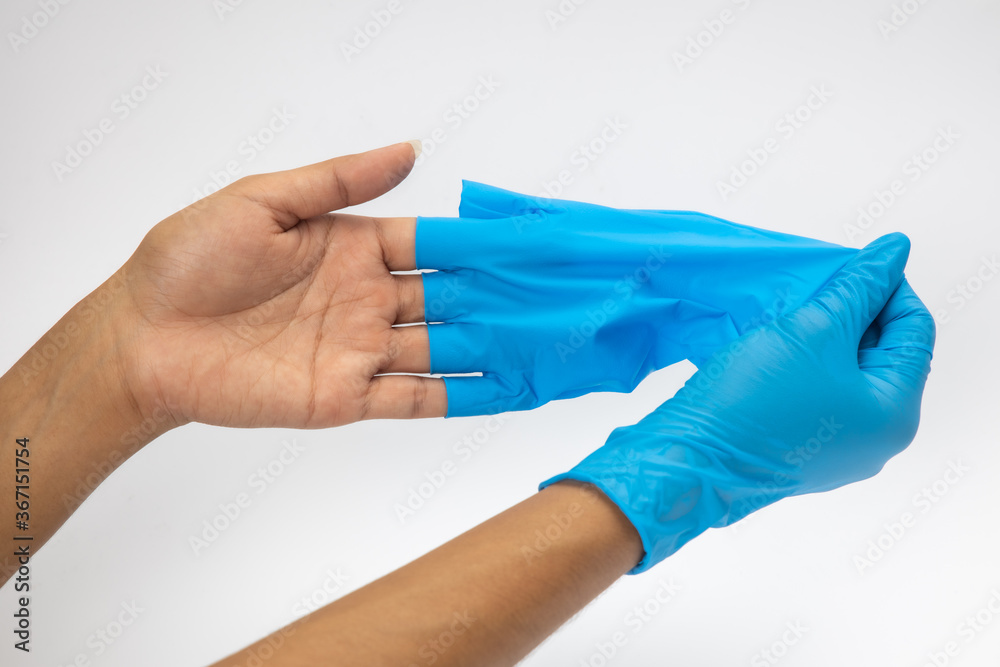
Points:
[(559, 82)]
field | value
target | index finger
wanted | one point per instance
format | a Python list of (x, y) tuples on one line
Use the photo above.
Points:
[(906, 335)]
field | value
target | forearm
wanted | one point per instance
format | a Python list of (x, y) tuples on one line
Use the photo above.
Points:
[(66, 397), (485, 598)]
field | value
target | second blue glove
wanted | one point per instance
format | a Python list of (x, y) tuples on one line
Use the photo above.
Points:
[(552, 299)]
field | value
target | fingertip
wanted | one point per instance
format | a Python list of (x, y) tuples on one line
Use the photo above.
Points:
[(892, 250), (418, 147), (896, 246), (899, 241), (304, 192), (906, 322), (859, 291), (393, 172), (489, 394)]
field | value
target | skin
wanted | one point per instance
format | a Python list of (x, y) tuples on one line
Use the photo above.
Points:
[(256, 307), (251, 308), (485, 598)]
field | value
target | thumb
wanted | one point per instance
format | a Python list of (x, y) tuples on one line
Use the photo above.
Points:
[(305, 192), (858, 292)]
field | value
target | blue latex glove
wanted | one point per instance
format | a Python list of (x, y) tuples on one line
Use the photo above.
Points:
[(553, 299), (819, 398)]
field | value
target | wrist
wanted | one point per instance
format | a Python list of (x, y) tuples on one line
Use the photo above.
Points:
[(152, 412), (666, 501), (77, 376), (600, 525), (68, 398)]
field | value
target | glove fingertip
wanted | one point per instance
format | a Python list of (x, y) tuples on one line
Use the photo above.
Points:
[(862, 287)]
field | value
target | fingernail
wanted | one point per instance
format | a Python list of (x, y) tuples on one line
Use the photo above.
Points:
[(418, 147)]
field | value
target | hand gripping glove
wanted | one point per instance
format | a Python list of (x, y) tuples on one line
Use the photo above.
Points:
[(819, 398), (553, 299)]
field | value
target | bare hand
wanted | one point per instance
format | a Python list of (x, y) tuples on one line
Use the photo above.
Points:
[(257, 307)]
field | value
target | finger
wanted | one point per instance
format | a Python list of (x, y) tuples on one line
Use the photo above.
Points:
[(905, 321), (460, 348), (492, 223), (457, 243), (870, 337), (442, 294), (412, 351), (409, 299), (487, 395), (442, 243), (857, 293), (405, 397), (449, 243), (299, 194), (397, 237), (906, 338)]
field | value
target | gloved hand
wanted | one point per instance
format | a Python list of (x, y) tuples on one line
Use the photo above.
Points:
[(553, 299), (819, 398)]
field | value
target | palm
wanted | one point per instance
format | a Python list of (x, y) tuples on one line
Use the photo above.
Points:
[(251, 318)]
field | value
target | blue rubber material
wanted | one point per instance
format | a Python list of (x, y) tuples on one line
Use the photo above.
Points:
[(552, 299), (819, 398)]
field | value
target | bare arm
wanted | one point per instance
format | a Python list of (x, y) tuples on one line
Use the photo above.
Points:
[(487, 597), (66, 397)]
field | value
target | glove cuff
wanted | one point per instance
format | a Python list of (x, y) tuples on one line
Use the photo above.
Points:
[(668, 505)]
